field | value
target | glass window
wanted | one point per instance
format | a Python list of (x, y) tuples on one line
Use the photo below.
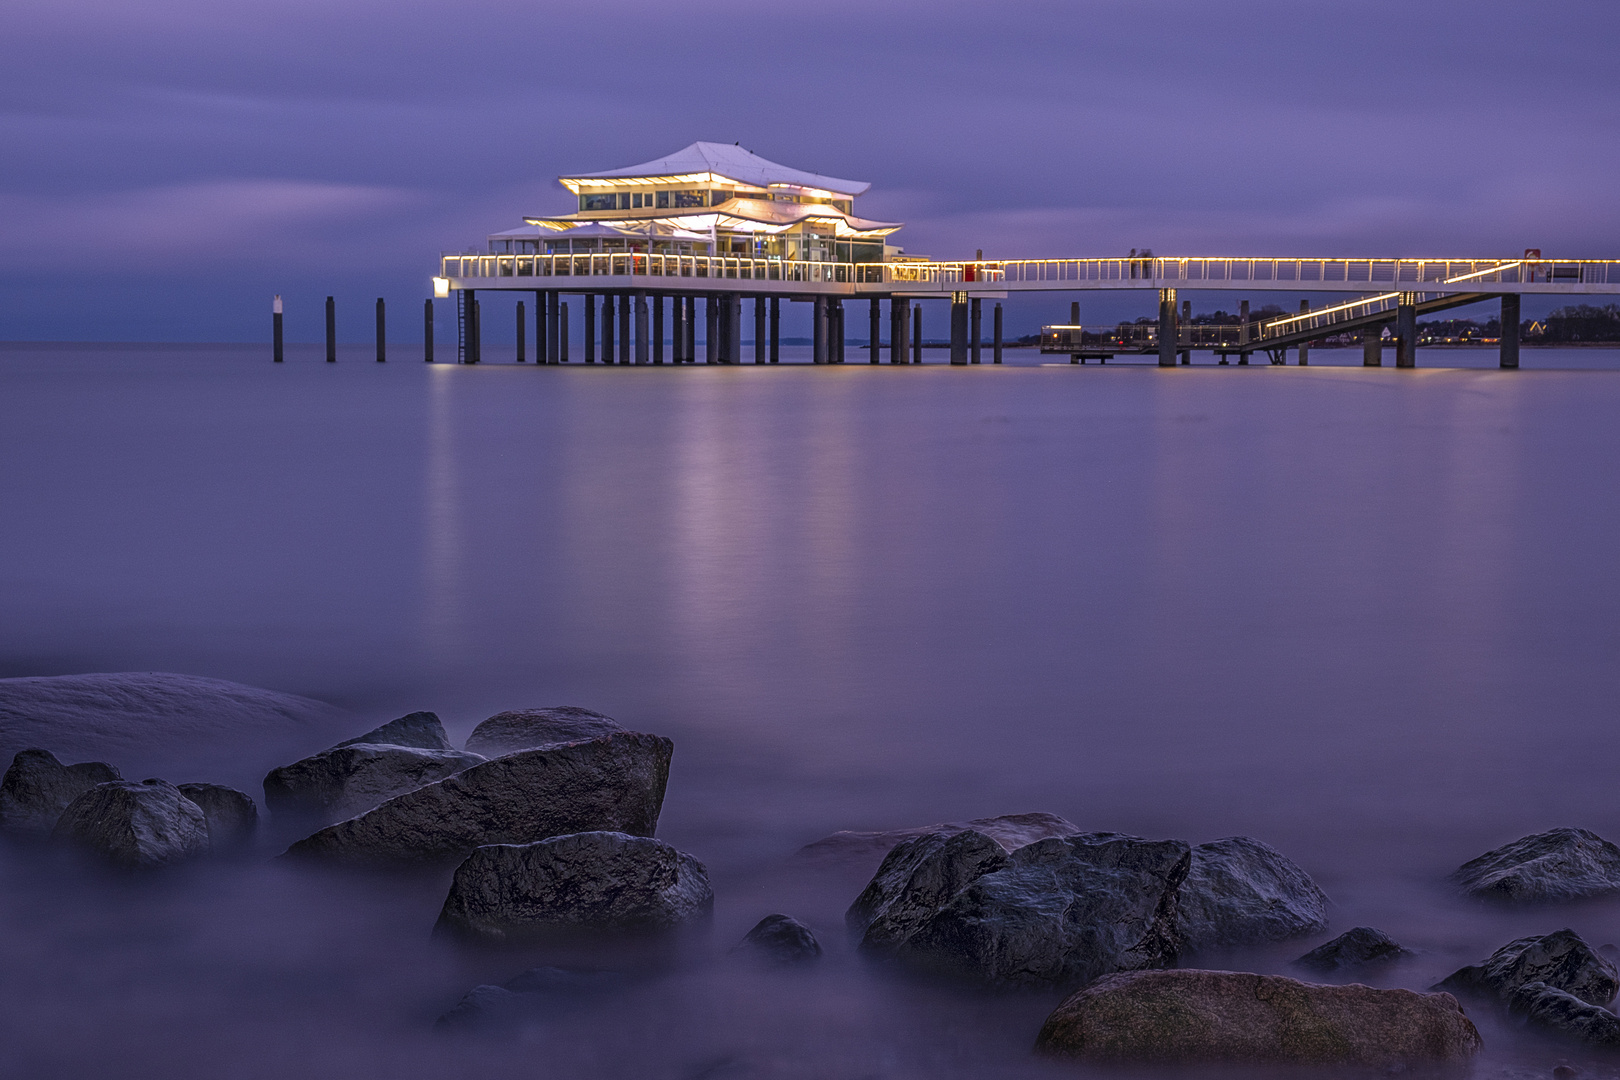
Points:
[(717, 197), (690, 198), (663, 200), (599, 202)]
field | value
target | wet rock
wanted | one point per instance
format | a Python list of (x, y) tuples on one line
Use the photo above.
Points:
[(567, 984), (529, 729), (133, 824), (613, 783), (1565, 1072), (1357, 948), (1560, 864), (915, 880), (1563, 1013), (1243, 892), (483, 1007), (1060, 911), (782, 940), (1011, 831), (1561, 960), (37, 788), (354, 777), (1191, 1017), (600, 881), (419, 729), (537, 994), (230, 814)]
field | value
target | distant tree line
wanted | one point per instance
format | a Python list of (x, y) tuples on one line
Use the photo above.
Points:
[(1583, 322)]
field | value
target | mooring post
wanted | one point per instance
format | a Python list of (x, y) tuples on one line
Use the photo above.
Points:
[(561, 335), (1304, 346), (523, 331), (607, 328), (1243, 333), (658, 328), (642, 350), (975, 331), (1406, 331), (624, 329), (959, 328), (818, 332), (1507, 337), (916, 333), (331, 330), (776, 329), (1372, 346), (996, 323), (711, 329), (874, 331), (275, 328), (1184, 332), (590, 328), (427, 330), (1167, 328)]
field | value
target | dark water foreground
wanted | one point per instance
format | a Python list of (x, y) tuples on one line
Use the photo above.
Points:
[(1371, 617)]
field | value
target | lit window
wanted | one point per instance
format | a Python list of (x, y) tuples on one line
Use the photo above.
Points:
[(663, 200)]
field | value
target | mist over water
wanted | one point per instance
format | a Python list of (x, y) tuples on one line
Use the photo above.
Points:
[(1367, 616)]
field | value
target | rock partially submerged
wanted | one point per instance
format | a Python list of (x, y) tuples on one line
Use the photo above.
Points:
[(612, 783), (1357, 948), (1011, 831), (37, 788), (351, 778), (598, 881), (1059, 911), (1240, 891), (1560, 864), (531, 729), (780, 939), (1561, 960), (1191, 1017), (230, 814), (1562, 1013), (537, 994), (419, 729), (137, 825)]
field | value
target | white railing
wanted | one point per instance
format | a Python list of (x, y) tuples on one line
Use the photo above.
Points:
[(637, 264), (1170, 272)]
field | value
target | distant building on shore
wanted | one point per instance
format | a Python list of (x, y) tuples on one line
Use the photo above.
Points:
[(708, 199)]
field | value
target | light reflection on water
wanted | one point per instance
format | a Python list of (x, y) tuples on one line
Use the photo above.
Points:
[(1367, 616)]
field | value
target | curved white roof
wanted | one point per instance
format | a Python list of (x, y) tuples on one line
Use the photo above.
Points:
[(729, 161)]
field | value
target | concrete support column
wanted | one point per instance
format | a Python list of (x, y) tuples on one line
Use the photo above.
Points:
[(959, 328), (643, 353), (837, 328), (561, 336), (1074, 313), (590, 328), (677, 330), (897, 352), (1509, 336), (690, 323), (624, 329), (975, 331), (1372, 346), (554, 327), (875, 331), (916, 334), (522, 333), (996, 321), (1167, 328), (1406, 331), (427, 331), (382, 332), (1243, 332), (658, 329), (276, 331), (734, 347), (761, 333), (1304, 346), (545, 328), (818, 337), (1184, 333), (711, 329), (776, 329), (331, 326), (607, 328)]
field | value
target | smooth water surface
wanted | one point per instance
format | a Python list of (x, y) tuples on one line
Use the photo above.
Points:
[(1368, 616)]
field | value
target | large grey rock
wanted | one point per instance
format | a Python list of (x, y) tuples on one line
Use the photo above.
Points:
[(354, 777), (1192, 1017), (37, 788), (1560, 864), (1061, 911), (529, 729), (780, 939), (1563, 1013), (615, 782), (230, 814), (916, 879), (1243, 892), (419, 729), (1357, 948), (133, 824), (1561, 960), (591, 881), (865, 850)]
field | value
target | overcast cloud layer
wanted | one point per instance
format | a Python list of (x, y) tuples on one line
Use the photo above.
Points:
[(165, 167)]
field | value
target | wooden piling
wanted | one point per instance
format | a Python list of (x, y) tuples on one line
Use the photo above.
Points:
[(561, 336), (643, 352), (975, 331), (331, 331), (1508, 336), (523, 330), (1304, 346), (776, 329), (1406, 331), (916, 334), (1167, 328), (959, 328), (997, 323), (590, 328), (608, 301), (275, 329), (624, 329), (427, 330), (818, 336), (658, 328), (875, 323), (761, 344)]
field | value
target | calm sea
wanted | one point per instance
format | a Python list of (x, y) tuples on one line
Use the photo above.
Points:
[(1371, 617)]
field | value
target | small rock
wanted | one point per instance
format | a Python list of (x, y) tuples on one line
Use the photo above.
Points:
[(530, 729), (482, 1008), (1243, 892), (1561, 960), (1359, 947), (1192, 1017), (231, 815), (781, 940), (536, 994), (37, 788), (1560, 864), (419, 729), (602, 881), (1562, 1012), (354, 777), (1565, 1072), (615, 782), (136, 824)]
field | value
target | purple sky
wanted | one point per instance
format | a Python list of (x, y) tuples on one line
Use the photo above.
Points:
[(166, 166)]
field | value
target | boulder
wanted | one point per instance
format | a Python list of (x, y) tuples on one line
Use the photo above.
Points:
[(867, 849), (1356, 948), (136, 824), (37, 788), (530, 729), (1192, 1017), (352, 778), (1561, 960), (230, 814), (915, 880), (1560, 864), (615, 782), (779, 939), (481, 1009), (1243, 892), (1563, 1013), (419, 729), (1061, 911), (601, 881)]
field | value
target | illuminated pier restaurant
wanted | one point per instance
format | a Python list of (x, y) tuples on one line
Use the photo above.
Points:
[(719, 233)]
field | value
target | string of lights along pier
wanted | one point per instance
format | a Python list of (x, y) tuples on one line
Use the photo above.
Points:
[(718, 227)]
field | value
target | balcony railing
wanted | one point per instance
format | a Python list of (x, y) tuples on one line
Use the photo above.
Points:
[(711, 267), (1456, 274)]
